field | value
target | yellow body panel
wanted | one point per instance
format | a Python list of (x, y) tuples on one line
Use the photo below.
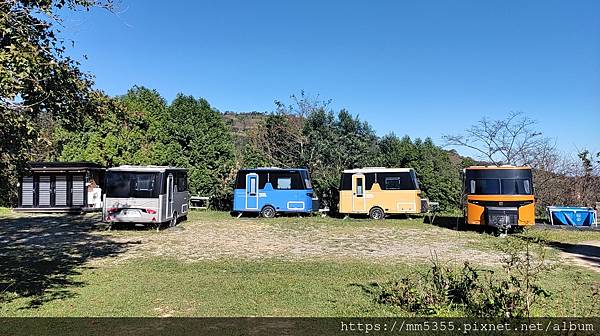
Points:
[(527, 214), (391, 201), (475, 213)]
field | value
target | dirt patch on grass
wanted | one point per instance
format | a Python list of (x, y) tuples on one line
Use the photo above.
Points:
[(301, 238)]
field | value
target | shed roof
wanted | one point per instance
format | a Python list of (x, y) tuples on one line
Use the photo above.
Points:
[(63, 166)]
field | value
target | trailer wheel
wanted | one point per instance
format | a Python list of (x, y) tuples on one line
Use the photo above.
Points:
[(173, 220), (376, 213), (268, 212)]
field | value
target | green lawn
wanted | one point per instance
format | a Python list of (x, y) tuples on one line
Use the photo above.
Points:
[(165, 287), (162, 284)]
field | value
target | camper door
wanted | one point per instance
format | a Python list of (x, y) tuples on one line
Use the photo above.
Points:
[(170, 196), (358, 193), (252, 191)]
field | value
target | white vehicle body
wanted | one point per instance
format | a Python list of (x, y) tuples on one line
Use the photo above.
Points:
[(145, 194)]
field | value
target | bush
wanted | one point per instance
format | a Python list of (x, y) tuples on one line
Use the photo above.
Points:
[(471, 292)]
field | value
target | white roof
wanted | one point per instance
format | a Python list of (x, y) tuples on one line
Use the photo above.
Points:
[(378, 170), (143, 168)]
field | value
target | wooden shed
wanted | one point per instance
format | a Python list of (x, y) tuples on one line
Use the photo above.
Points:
[(61, 187)]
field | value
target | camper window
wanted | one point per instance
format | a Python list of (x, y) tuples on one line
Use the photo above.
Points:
[(370, 179), (252, 187), (126, 184), (396, 181), (286, 180), (181, 181), (263, 178), (487, 186), (346, 182), (415, 181), (359, 187), (515, 187), (143, 183), (240, 181), (306, 178), (308, 184), (392, 183), (284, 183)]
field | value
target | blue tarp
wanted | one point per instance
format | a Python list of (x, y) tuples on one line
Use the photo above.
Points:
[(575, 216)]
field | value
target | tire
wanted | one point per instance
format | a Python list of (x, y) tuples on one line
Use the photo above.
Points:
[(377, 213), (173, 221), (268, 212)]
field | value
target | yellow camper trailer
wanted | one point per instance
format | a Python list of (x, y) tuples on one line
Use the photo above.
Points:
[(379, 191)]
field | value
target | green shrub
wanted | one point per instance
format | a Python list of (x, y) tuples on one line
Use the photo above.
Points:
[(443, 289)]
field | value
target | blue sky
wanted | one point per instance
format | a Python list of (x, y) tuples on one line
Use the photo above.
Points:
[(422, 68)]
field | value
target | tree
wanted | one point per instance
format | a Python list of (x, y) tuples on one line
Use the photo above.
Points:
[(307, 134), (559, 180), (129, 131), (37, 81), (141, 129), (511, 141), (336, 142), (201, 141), (439, 176), (280, 139), (587, 180)]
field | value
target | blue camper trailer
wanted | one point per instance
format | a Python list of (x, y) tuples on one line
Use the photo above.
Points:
[(269, 191)]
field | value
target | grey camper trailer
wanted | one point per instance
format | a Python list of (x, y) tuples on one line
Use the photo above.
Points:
[(145, 195)]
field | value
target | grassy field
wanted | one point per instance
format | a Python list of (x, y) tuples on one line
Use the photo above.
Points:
[(216, 265)]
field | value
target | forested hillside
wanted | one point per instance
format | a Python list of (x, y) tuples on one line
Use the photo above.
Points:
[(141, 127), (242, 124)]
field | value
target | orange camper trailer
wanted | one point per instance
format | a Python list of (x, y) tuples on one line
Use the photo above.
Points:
[(499, 196)]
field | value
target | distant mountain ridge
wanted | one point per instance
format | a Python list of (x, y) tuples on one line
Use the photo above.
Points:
[(242, 123)]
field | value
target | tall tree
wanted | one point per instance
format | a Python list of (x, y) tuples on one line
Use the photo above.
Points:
[(201, 141), (37, 81), (281, 140), (129, 131), (512, 140), (438, 174), (336, 142)]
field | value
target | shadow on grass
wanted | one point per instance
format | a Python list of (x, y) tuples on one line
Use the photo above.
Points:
[(40, 255), (457, 223), (588, 254), (371, 289)]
